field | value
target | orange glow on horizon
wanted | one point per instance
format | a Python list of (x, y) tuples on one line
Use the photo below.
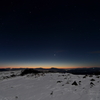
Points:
[(65, 67)]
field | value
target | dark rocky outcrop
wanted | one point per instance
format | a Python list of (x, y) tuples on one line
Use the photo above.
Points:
[(29, 71), (74, 83)]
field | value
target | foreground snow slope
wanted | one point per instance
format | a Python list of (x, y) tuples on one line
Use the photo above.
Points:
[(51, 86)]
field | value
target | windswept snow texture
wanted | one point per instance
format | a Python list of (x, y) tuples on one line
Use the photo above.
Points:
[(50, 86)]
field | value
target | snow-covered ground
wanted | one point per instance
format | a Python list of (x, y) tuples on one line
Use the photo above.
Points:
[(50, 86)]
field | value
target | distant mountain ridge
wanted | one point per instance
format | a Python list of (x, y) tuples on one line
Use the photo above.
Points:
[(38, 69), (82, 71), (51, 69), (77, 71), (11, 69)]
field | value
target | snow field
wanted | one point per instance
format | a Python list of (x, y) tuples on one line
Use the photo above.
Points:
[(51, 86)]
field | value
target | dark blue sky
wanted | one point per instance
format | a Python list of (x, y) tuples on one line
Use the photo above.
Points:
[(49, 33)]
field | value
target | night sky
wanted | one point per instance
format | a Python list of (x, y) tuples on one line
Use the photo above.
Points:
[(49, 33)]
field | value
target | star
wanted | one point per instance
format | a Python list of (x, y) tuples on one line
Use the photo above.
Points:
[(30, 12), (54, 54), (13, 10)]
